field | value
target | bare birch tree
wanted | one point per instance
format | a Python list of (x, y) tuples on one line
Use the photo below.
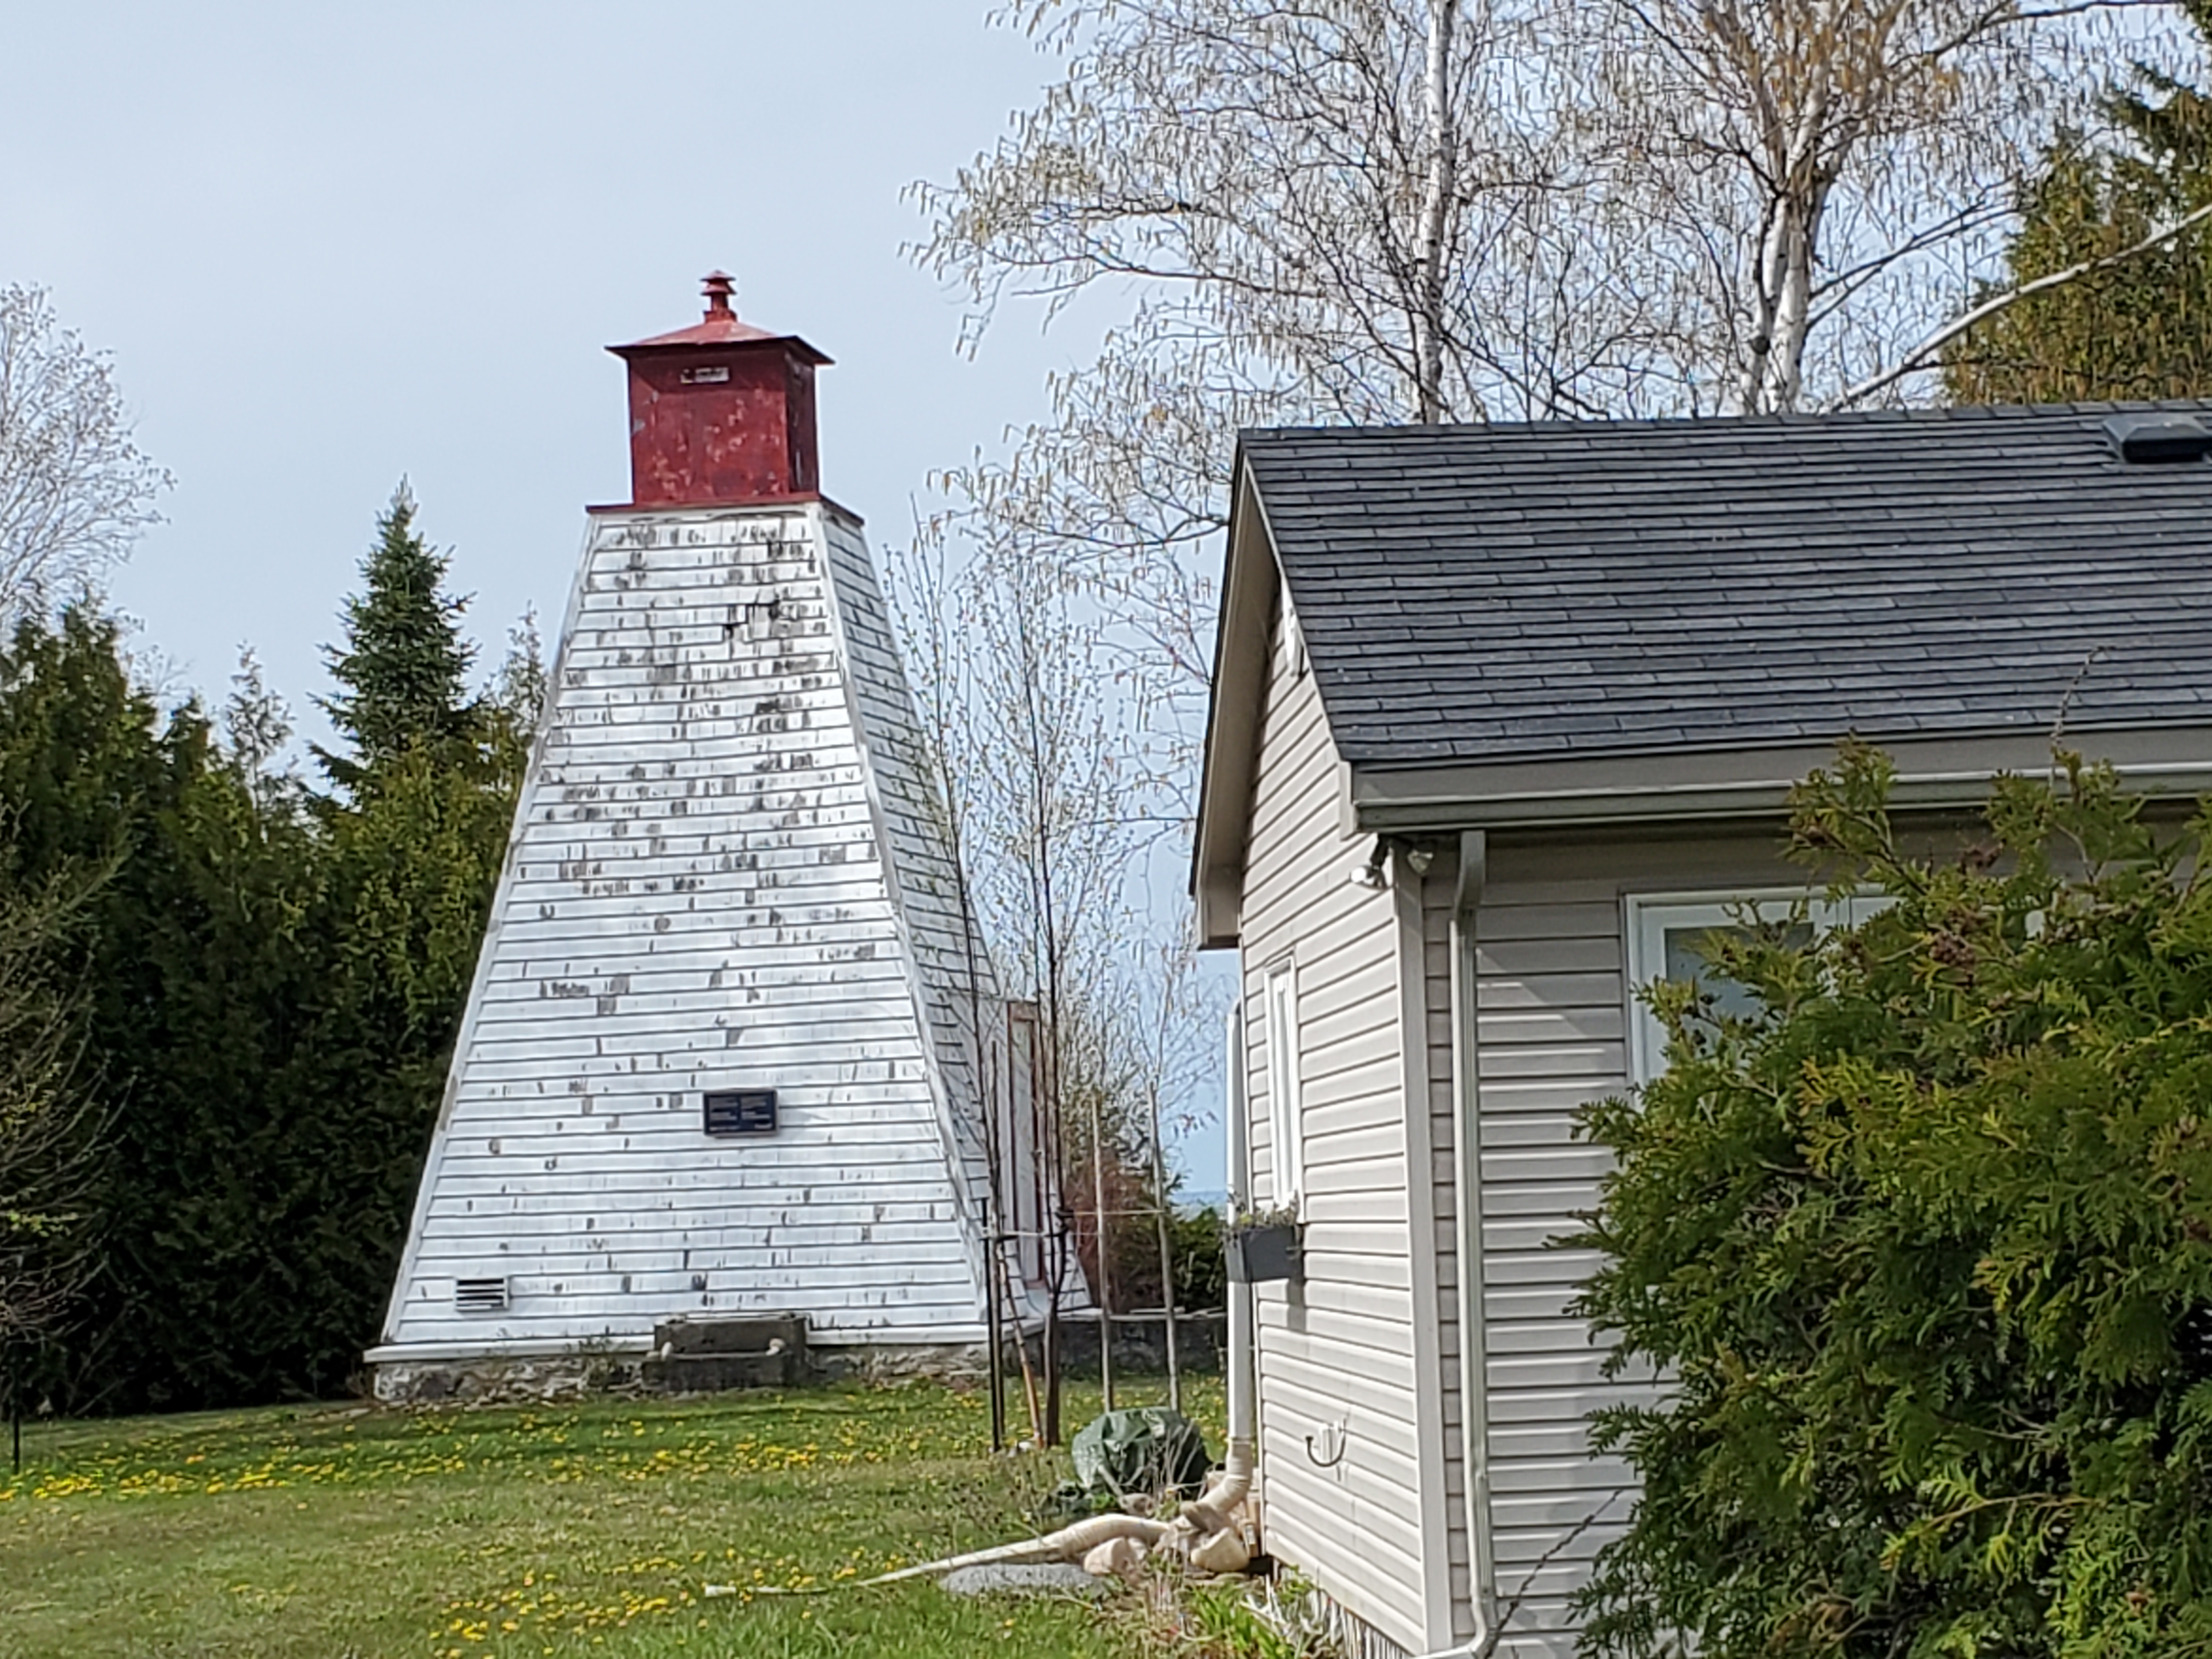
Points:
[(74, 489), (1818, 181), (1034, 738), (1383, 210), (1294, 190)]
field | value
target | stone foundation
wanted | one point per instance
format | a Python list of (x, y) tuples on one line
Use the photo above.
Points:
[(968, 1361), (583, 1372), (508, 1379)]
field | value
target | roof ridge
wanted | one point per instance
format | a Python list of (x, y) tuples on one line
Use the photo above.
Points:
[(1795, 420)]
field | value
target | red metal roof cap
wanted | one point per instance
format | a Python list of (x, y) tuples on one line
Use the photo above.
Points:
[(720, 326)]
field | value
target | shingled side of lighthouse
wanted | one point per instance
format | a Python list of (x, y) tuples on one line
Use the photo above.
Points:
[(730, 1047)]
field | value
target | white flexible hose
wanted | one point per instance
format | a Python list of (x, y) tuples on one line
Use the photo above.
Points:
[(1234, 1487), (1069, 1543), (1195, 1524)]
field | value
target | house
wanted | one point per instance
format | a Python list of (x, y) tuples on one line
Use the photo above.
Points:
[(1502, 721), (732, 1048)]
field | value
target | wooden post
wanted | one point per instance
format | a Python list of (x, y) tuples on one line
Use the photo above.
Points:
[(994, 1222), (1061, 1227), (1167, 1254), (994, 1246), (1102, 1247)]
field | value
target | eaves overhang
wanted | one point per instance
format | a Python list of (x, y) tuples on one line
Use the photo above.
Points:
[(1248, 581), (1694, 786)]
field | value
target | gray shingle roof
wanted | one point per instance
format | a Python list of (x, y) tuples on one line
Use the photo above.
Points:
[(1472, 593)]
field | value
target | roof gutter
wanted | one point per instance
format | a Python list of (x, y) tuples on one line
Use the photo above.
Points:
[(1740, 785)]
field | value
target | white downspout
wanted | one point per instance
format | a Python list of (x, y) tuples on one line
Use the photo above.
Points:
[(1467, 1174)]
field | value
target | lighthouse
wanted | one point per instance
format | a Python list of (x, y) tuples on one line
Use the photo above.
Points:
[(732, 1058)]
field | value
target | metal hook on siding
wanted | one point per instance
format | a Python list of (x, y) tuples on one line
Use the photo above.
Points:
[(1330, 1431)]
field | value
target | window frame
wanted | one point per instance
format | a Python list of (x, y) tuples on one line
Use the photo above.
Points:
[(1278, 1007), (1648, 917)]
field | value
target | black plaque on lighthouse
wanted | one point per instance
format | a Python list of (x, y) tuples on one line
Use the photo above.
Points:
[(740, 1111)]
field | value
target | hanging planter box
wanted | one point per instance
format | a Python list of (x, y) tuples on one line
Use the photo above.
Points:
[(1267, 1253)]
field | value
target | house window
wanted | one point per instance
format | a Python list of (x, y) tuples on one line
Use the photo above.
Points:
[(1666, 937), (1280, 1010)]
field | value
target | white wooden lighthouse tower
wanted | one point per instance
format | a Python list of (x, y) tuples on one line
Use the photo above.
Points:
[(723, 1054)]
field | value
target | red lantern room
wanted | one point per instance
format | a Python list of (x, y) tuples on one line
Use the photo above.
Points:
[(721, 414)]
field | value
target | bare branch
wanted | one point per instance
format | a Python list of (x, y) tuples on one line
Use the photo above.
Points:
[(1922, 355), (75, 490)]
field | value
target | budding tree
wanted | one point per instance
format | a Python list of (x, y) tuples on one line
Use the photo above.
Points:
[(74, 489), (1295, 192), (1820, 180), (1383, 210), (1028, 733)]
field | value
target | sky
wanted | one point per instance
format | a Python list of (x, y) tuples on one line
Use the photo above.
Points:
[(330, 247)]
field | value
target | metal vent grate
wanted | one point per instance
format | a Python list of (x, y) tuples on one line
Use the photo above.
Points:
[(2161, 439), (480, 1296)]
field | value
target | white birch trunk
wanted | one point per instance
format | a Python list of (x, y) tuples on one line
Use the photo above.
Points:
[(1444, 153)]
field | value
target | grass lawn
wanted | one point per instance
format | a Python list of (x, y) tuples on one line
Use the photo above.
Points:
[(329, 1531)]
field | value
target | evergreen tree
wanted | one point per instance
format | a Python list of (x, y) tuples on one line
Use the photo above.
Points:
[(222, 1178), (269, 997), (408, 869), (202, 962), (1923, 1244), (270, 984), (515, 699), (404, 666), (50, 1122), (2142, 328)]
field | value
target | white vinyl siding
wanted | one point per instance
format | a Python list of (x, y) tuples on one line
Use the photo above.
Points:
[(1339, 1357), (1554, 1021)]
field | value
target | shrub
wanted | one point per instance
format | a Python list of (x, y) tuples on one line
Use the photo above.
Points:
[(1924, 1246)]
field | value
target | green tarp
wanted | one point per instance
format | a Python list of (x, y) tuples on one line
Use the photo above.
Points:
[(1149, 1451)]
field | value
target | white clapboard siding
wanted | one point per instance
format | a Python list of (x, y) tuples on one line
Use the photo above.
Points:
[(1337, 1355), (953, 978), (1553, 1003), (726, 872)]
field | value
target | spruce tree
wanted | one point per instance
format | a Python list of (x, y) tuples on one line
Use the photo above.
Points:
[(404, 665), (2141, 328)]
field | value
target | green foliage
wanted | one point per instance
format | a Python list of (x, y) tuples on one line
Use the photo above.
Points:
[(2141, 328), (1222, 1618), (1925, 1246), (271, 982), (1201, 1270), (403, 666)]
